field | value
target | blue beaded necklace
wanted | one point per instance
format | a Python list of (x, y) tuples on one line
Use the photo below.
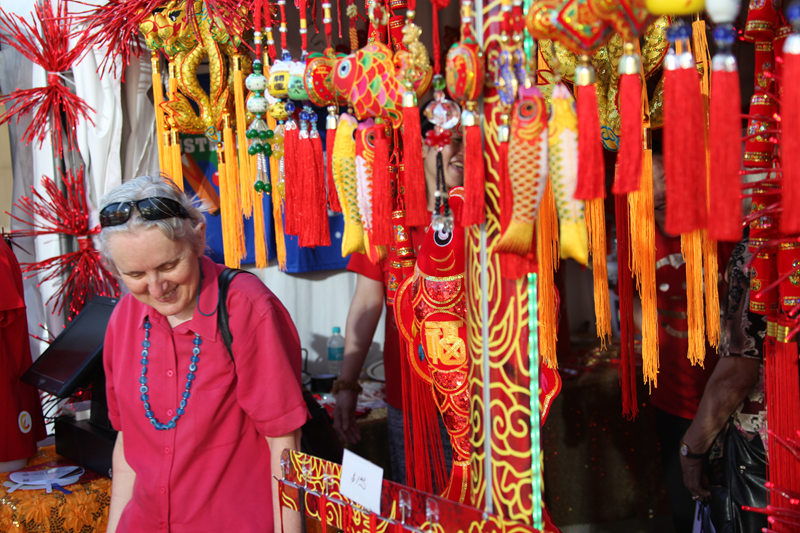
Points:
[(143, 381)]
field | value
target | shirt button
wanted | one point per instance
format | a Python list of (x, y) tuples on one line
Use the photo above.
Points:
[(170, 373), (166, 452), (163, 490), (170, 412)]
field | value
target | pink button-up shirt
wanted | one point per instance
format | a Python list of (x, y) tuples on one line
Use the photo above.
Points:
[(212, 471)]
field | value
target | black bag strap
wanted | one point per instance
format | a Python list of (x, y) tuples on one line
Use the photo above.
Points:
[(224, 280)]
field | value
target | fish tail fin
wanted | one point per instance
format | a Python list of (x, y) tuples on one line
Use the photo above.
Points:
[(517, 239)]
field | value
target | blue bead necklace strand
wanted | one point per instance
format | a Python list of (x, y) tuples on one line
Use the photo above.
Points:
[(143, 381)]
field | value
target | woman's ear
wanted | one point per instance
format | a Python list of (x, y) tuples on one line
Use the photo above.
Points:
[(200, 237)]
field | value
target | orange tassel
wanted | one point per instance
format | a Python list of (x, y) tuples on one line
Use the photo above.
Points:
[(247, 173), (259, 231), (175, 155), (158, 99), (711, 273), (547, 254), (233, 204), (596, 226), (692, 250)]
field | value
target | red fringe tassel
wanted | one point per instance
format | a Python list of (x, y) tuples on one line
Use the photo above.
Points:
[(591, 169), (629, 157), (627, 365), (790, 140), (416, 201), (684, 151), (725, 199), (316, 211), (381, 190), (474, 177), (292, 198)]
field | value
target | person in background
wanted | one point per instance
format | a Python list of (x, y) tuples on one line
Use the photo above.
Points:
[(733, 395), (200, 433), (364, 314), (21, 415), (680, 384)]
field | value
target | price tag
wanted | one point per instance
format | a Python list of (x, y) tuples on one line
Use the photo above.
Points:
[(361, 481)]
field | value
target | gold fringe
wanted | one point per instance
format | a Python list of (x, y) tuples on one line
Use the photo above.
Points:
[(172, 85), (232, 231), (277, 198), (596, 224), (711, 271), (259, 231), (158, 99), (224, 208), (691, 248), (643, 265), (246, 179), (175, 157), (547, 252)]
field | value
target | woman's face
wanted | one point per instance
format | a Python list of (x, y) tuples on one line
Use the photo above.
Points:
[(158, 272), (452, 161)]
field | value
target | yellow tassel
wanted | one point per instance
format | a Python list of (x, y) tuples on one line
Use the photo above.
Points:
[(158, 99), (596, 224), (277, 204), (643, 265), (172, 85), (259, 230), (246, 181), (232, 175), (224, 209), (175, 154), (691, 248), (547, 252), (516, 238)]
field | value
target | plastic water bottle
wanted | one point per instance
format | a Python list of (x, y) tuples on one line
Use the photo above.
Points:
[(335, 352)]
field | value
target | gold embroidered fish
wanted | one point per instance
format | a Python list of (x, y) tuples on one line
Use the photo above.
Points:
[(527, 169), (563, 162), (344, 178)]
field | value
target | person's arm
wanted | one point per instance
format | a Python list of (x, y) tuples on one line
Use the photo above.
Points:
[(733, 378), (122, 479), (362, 319), (292, 520)]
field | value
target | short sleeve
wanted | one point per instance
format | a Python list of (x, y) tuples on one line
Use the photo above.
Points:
[(108, 367), (360, 264), (266, 351)]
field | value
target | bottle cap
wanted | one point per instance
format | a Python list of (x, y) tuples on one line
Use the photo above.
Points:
[(336, 329)]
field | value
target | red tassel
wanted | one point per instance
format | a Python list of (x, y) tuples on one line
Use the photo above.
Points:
[(381, 190), (292, 198), (333, 197), (725, 199), (790, 140), (315, 191), (591, 169), (629, 173), (416, 200), (684, 151), (627, 365), (323, 511), (474, 177), (304, 214)]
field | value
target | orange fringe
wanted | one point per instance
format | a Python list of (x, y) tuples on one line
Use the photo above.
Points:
[(643, 265), (158, 99), (172, 86), (175, 158), (232, 230), (259, 231), (547, 252), (246, 176), (692, 250), (596, 225)]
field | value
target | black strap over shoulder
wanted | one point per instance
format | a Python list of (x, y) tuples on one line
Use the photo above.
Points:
[(225, 279)]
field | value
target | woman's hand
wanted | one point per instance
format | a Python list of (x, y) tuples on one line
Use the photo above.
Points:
[(344, 416)]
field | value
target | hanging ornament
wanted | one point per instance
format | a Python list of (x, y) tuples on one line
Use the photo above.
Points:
[(444, 114), (46, 43), (465, 73), (790, 124), (80, 274), (258, 133)]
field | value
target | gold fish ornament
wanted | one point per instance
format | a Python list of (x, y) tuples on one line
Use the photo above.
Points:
[(527, 169), (563, 164), (344, 178)]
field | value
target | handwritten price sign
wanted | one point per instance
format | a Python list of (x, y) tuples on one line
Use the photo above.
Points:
[(361, 481)]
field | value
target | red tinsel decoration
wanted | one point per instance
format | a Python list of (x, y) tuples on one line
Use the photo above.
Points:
[(591, 172), (790, 141), (46, 43), (66, 213), (725, 198)]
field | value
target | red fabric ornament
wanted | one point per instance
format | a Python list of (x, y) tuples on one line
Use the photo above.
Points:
[(66, 213), (416, 200), (725, 199), (790, 140), (381, 189), (629, 156), (46, 43), (591, 169), (684, 149)]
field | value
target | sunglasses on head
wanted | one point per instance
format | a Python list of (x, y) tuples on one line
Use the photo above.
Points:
[(153, 208)]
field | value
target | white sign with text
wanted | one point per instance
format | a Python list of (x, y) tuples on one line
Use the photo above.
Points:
[(361, 481)]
